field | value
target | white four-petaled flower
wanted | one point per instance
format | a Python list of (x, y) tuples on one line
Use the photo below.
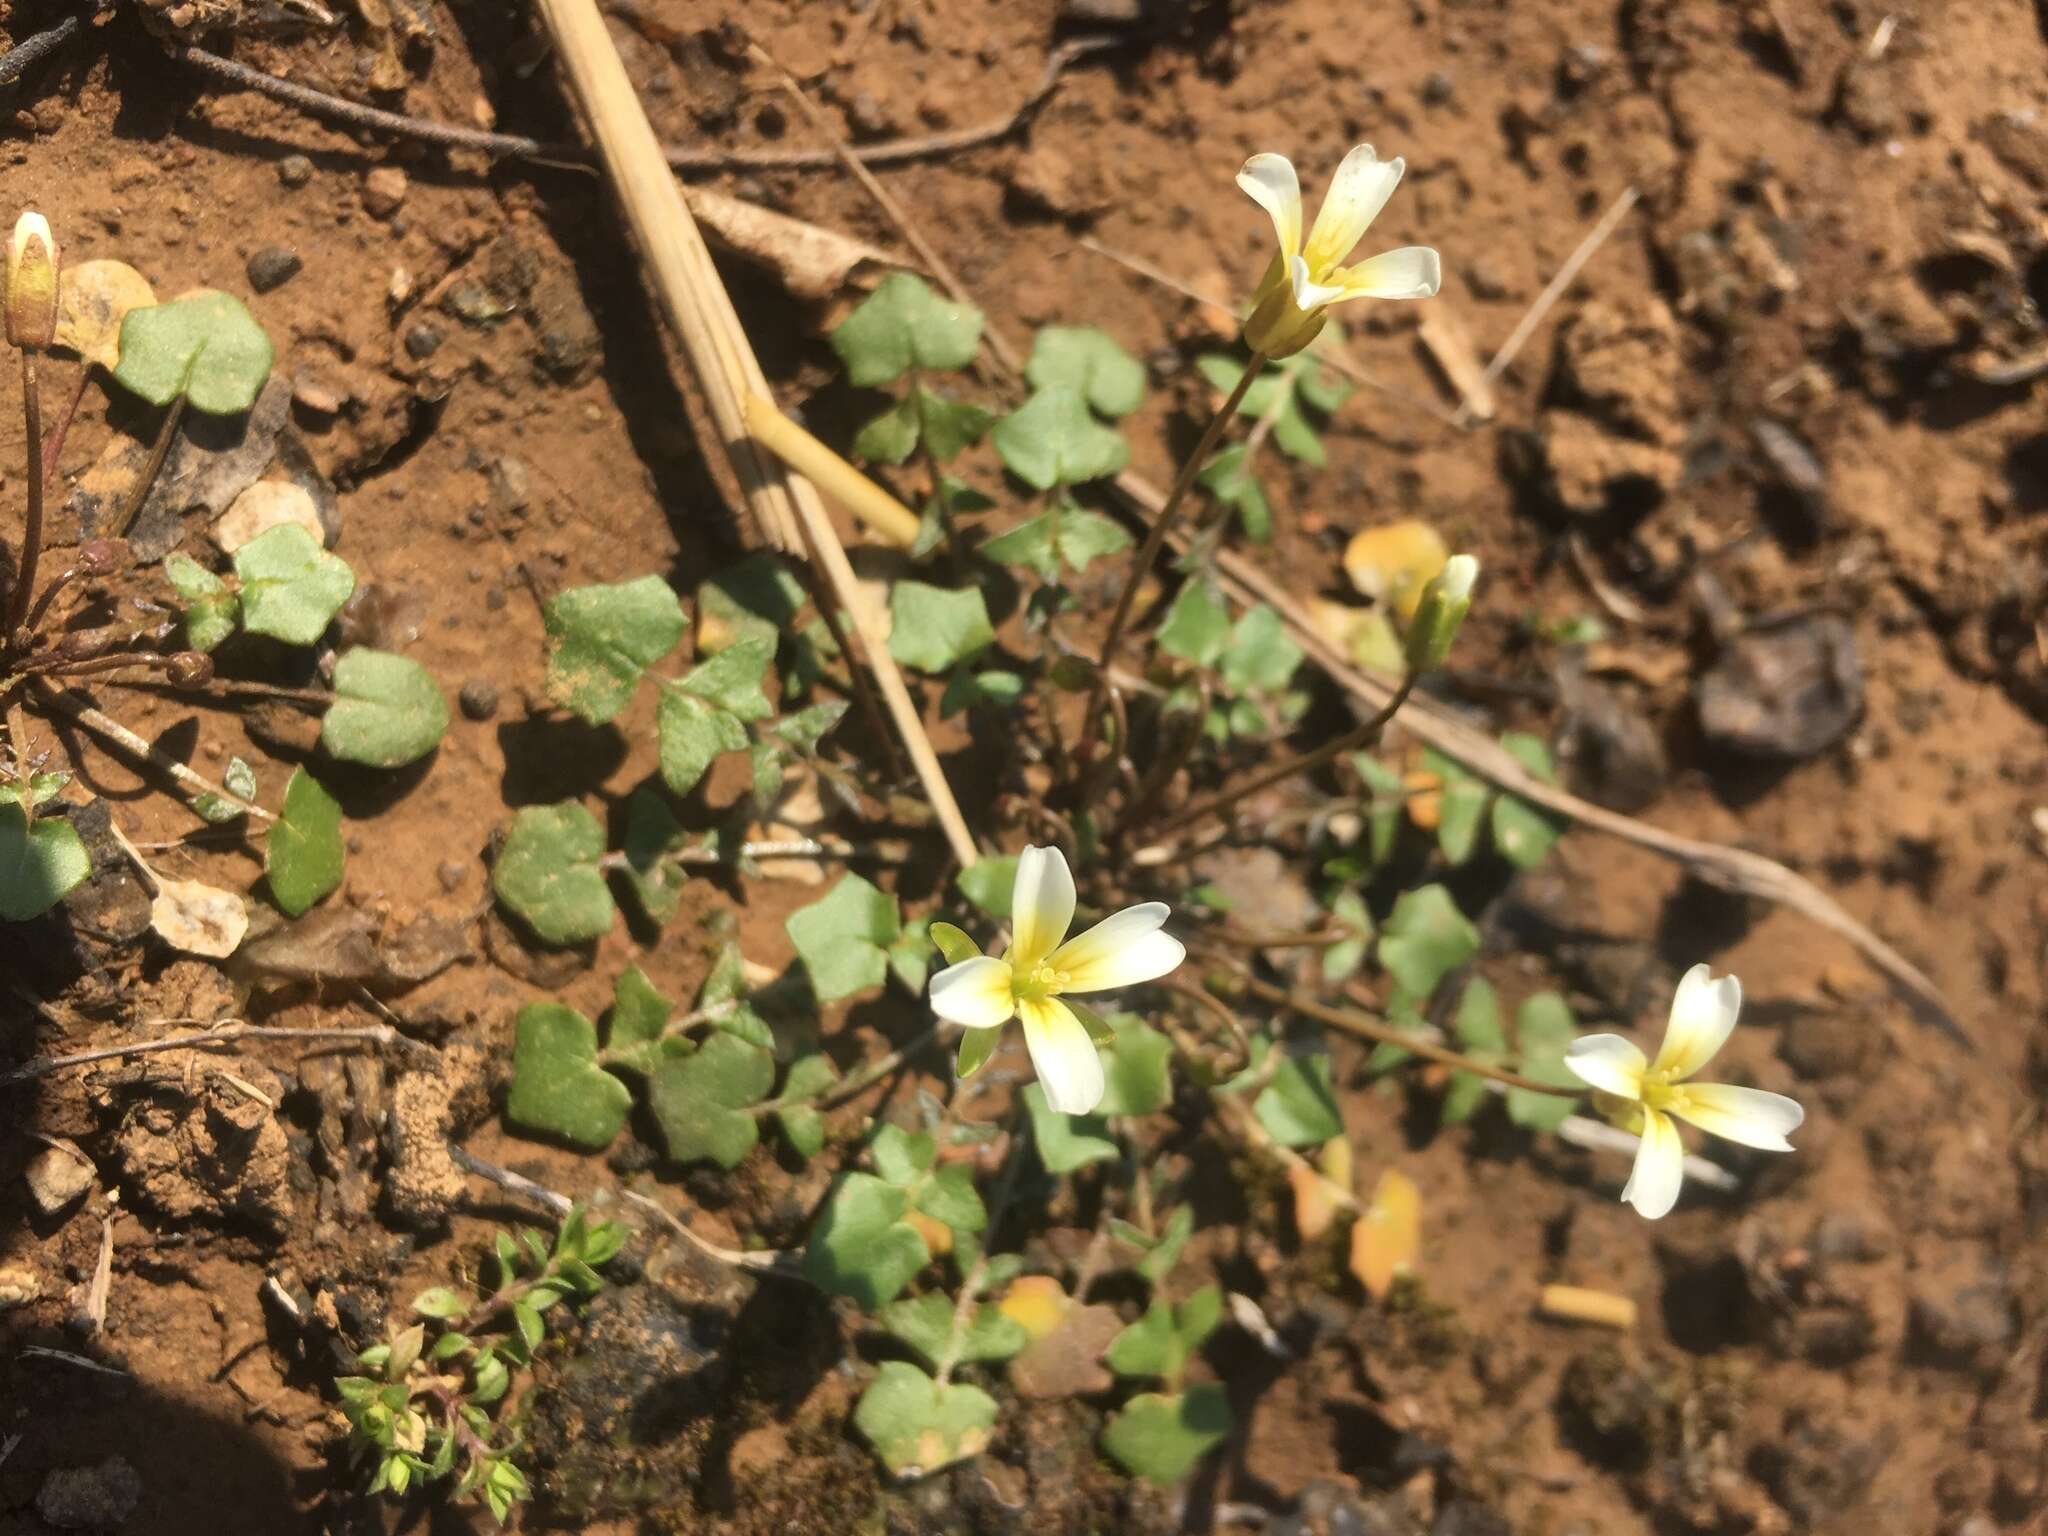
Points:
[(1305, 279), (1645, 1095), (1030, 980)]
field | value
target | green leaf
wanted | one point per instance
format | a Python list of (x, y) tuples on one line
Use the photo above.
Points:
[(950, 427), (1090, 363), (548, 873), (842, 939), (902, 1157), (1386, 795), (558, 1087), (976, 1046), (1523, 834), (925, 1323), (690, 735), (1052, 440), (1299, 1106), (989, 884), (211, 610), (917, 1426), (1071, 534), (640, 1015), (602, 638), (1197, 626), (934, 630), (652, 835), (1149, 1347), (908, 957), (1160, 1437), (1229, 479), (1476, 1025), (387, 712), (1345, 956), (861, 1247), (1544, 1027), (802, 1126), (732, 679), (440, 1302), (904, 325), (1134, 1071), (1064, 1142), (1260, 658), (291, 587), (993, 688), (40, 862), (952, 943), (699, 1101), (205, 346), (1323, 387), (949, 1196), (1425, 938), (890, 437), (805, 728), (45, 787), (1165, 1253), (303, 856), (1461, 809), (757, 599)]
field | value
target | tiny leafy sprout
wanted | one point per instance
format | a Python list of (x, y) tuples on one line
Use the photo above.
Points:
[(291, 587), (1644, 1096), (903, 326), (550, 873), (1090, 363), (1468, 805), (1052, 440), (1159, 1436), (304, 855), (877, 1230), (1043, 970), (426, 1406), (853, 939), (205, 346), (41, 860), (1253, 658)]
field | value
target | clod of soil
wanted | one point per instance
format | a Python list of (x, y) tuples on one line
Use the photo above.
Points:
[(196, 1145), (100, 1497), (58, 1175), (1784, 689)]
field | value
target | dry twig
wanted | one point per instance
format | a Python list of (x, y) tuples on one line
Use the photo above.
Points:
[(206, 1039)]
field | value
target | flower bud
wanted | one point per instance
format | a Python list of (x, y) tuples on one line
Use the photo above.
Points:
[(32, 284), (1279, 327), (189, 669), (102, 557), (1442, 609)]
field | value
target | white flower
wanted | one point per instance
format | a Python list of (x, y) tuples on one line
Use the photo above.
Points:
[(1645, 1095), (1120, 951), (1305, 279)]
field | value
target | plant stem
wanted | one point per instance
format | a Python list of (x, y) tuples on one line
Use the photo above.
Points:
[(1307, 762), (970, 1288), (53, 440), (368, 1034), (1315, 939), (1367, 1028), (157, 451), (112, 730), (1155, 538), (32, 528)]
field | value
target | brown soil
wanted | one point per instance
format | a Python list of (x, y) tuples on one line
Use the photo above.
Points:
[(1844, 240)]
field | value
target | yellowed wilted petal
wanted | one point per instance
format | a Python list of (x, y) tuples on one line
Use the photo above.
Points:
[(1335, 1162), (1393, 563), (1425, 798), (92, 299), (938, 1237), (1035, 1303), (1388, 1238), (1315, 1204), (199, 919)]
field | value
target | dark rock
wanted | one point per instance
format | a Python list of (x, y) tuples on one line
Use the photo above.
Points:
[(110, 906), (478, 698), (1783, 688), (295, 170), (273, 267), (1438, 89), (1612, 754), (1961, 1328), (95, 1498), (1328, 1509), (1611, 1408), (422, 341)]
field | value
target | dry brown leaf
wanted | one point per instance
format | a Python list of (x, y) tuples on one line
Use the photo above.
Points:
[(1450, 344), (1388, 1237), (92, 300), (197, 918), (813, 263), (1318, 1195), (1068, 1361)]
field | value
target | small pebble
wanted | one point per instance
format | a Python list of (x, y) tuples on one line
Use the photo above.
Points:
[(1436, 90), (384, 191), (273, 267), (315, 395), (57, 1176), (422, 341), (479, 699), (295, 170), (451, 875)]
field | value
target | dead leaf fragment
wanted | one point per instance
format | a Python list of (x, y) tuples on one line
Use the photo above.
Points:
[(1068, 1361), (1320, 1191), (1388, 1237), (197, 918), (92, 300), (813, 262)]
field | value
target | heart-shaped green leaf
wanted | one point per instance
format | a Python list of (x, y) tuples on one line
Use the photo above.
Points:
[(1064, 1142), (1523, 834), (860, 1246), (690, 735), (904, 325), (925, 1323), (1260, 657), (387, 712), (1052, 440), (1544, 1027), (802, 1126), (917, 1426), (303, 856), (548, 873), (1134, 1072), (843, 939), (1299, 1106), (1089, 362), (558, 1087), (211, 610), (601, 638), (40, 863), (933, 629), (652, 835), (1068, 534), (291, 587), (700, 1101), (205, 346), (757, 599), (1197, 626), (1425, 938), (1160, 1436)]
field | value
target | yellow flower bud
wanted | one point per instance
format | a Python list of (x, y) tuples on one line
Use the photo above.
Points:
[(32, 283)]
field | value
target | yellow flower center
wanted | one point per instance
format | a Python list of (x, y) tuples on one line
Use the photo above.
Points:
[(1043, 981)]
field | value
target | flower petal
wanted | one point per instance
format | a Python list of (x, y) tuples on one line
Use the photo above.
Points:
[(1269, 181), (1358, 192), (1122, 950), (1652, 1187), (1609, 1063), (1746, 1115), (975, 993), (1412, 272), (1065, 1059), (1041, 905), (1309, 295), (1702, 1018)]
